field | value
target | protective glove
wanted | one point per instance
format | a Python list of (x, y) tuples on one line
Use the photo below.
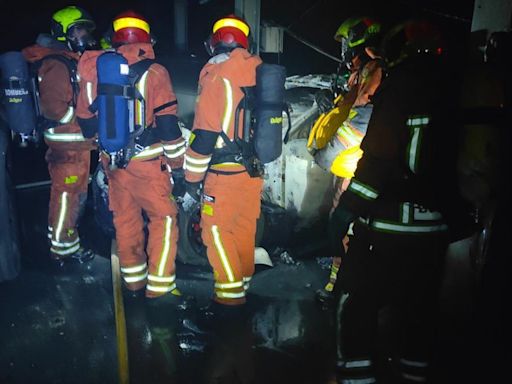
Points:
[(324, 99), (339, 222), (192, 196), (178, 181)]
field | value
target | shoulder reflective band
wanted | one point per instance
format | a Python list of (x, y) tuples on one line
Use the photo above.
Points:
[(228, 112), (126, 22), (140, 113), (88, 87), (228, 22)]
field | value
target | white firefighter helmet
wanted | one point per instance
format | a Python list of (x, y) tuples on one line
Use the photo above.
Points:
[(261, 256)]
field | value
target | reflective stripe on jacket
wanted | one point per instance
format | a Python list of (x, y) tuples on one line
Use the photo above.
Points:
[(219, 94)]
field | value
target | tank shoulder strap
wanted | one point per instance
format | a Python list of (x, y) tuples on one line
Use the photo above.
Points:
[(139, 68), (71, 65)]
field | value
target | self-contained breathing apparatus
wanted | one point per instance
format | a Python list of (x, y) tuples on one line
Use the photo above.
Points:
[(262, 135), (120, 106), (20, 94)]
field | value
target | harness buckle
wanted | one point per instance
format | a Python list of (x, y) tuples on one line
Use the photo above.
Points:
[(138, 148), (128, 92)]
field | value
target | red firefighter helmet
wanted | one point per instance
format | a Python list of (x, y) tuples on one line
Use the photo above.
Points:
[(130, 27), (411, 38), (228, 33)]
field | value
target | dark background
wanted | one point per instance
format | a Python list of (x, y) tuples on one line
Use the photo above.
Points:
[(314, 20)]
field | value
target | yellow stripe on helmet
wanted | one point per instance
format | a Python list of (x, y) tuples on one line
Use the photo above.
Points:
[(126, 22), (229, 22)]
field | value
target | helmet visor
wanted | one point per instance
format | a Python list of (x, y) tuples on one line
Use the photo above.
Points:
[(80, 37)]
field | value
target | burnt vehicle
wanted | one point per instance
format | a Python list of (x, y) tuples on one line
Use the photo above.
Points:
[(297, 193)]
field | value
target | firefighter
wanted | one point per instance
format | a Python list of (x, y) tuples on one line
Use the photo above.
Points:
[(143, 184), (68, 155), (349, 116), (399, 201), (230, 196)]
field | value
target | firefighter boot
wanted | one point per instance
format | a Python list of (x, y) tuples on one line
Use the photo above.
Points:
[(82, 255), (162, 320), (215, 317), (231, 351), (162, 311), (173, 303), (174, 298)]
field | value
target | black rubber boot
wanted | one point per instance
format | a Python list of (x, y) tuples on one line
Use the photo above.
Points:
[(81, 256), (215, 317), (162, 320), (162, 311), (174, 298)]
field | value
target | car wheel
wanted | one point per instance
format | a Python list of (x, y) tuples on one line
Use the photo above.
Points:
[(191, 249)]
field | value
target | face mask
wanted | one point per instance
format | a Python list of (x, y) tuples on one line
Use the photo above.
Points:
[(80, 39)]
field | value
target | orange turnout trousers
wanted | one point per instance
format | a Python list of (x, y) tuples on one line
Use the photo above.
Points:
[(144, 186), (69, 173), (68, 154), (231, 207)]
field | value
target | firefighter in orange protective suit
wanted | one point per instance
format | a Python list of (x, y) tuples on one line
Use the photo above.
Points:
[(68, 155), (143, 183), (230, 197), (344, 124)]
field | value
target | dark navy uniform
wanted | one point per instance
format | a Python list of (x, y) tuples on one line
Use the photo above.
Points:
[(398, 200)]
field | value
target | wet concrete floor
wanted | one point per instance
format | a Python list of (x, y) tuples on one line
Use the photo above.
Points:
[(57, 325)]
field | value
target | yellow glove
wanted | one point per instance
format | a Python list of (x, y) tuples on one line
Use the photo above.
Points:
[(325, 126), (345, 164)]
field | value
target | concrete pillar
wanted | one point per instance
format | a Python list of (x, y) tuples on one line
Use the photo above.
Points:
[(181, 25), (250, 10), (9, 240), (491, 15)]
